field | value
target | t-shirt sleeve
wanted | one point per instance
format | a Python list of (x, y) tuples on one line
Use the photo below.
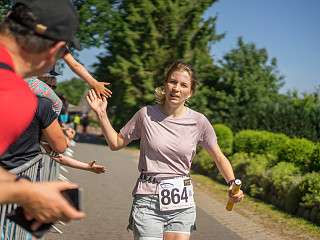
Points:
[(41, 89), (132, 130), (207, 136), (45, 113)]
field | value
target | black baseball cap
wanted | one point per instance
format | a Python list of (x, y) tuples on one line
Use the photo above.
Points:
[(55, 19)]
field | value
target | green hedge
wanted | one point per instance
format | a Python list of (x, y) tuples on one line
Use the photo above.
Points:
[(203, 163), (251, 168), (297, 151), (315, 159), (260, 142), (283, 179), (273, 168), (309, 189), (225, 138)]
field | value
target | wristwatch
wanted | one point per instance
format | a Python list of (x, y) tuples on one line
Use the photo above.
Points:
[(230, 182)]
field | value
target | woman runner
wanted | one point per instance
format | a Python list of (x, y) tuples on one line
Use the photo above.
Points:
[(163, 206)]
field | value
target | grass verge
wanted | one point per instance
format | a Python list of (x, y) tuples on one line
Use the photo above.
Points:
[(285, 225)]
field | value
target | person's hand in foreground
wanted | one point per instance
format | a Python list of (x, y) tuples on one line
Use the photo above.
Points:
[(45, 203)]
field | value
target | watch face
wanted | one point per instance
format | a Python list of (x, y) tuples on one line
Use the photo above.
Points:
[(237, 182)]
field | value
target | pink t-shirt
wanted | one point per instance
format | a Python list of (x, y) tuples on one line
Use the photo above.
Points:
[(167, 144)]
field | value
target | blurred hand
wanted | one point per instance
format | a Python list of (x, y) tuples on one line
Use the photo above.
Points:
[(70, 132), (45, 203), (235, 197), (101, 90), (97, 104), (96, 168)]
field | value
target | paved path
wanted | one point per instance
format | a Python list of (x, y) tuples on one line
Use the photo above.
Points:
[(107, 201)]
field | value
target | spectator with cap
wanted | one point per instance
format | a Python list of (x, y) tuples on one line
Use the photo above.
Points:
[(44, 86), (32, 37)]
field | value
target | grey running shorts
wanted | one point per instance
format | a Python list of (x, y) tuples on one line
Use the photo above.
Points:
[(149, 223)]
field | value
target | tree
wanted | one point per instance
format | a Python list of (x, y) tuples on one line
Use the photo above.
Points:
[(72, 89), (247, 83), (294, 115), (147, 36), (96, 18), (4, 8)]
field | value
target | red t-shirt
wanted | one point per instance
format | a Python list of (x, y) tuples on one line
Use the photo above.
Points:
[(17, 103)]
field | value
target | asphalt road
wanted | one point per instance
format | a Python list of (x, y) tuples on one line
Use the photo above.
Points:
[(107, 201)]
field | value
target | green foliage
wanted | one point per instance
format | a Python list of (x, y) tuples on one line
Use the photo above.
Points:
[(4, 8), (203, 163), (144, 38), (282, 182), (248, 82), (225, 138), (252, 141), (310, 190), (297, 151), (285, 115), (96, 18), (251, 168), (315, 159), (281, 176), (72, 89)]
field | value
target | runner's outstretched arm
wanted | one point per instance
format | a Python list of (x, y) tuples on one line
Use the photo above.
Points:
[(225, 168), (99, 106)]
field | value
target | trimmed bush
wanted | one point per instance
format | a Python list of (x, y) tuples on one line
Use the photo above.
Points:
[(292, 200), (251, 168), (297, 151), (203, 163), (315, 159), (310, 190), (225, 138), (260, 142), (281, 179), (247, 141), (281, 176)]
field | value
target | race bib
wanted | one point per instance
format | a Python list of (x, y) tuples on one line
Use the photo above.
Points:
[(176, 193)]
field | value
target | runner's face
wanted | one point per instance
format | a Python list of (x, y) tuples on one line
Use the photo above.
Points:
[(178, 88)]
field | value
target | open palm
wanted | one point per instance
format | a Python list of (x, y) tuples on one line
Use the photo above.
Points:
[(97, 104)]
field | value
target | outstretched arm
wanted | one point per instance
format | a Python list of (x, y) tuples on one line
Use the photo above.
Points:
[(71, 162), (225, 168), (99, 106), (82, 72)]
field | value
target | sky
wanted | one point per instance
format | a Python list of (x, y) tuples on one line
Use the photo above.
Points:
[(288, 29)]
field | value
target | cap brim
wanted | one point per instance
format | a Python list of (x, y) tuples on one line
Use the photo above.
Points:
[(54, 73), (75, 43)]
